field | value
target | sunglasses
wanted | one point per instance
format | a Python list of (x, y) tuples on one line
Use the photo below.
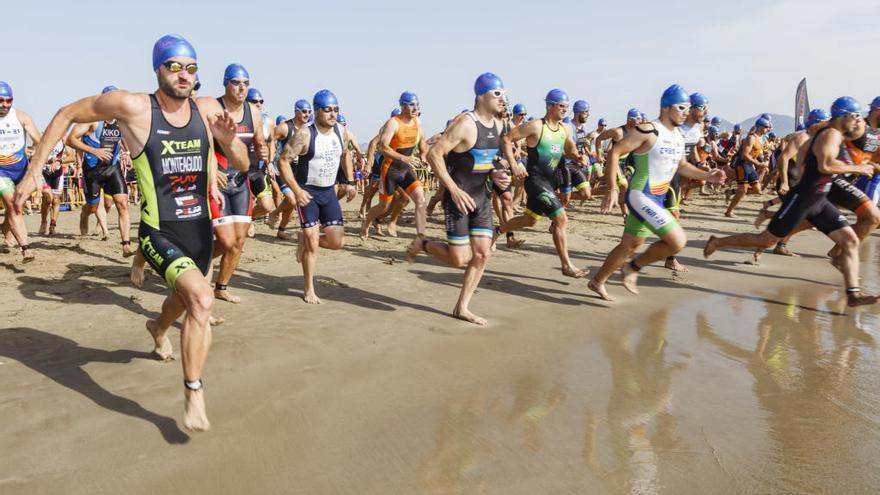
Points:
[(682, 108), (6, 100), (238, 82), (413, 104), (175, 67), (304, 110), (330, 109), (523, 114), (852, 115), (701, 107), (257, 102)]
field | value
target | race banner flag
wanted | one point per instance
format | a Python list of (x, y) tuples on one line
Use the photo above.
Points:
[(801, 103)]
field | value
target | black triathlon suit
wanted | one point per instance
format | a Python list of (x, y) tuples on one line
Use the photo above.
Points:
[(172, 172), (808, 200), (470, 171), (237, 196), (100, 174)]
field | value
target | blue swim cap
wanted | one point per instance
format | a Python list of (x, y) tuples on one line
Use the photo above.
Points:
[(698, 99), (340, 118), (555, 95), (324, 98), (233, 71), (170, 46), (643, 116), (279, 119), (567, 120), (530, 119), (737, 127), (580, 106), (762, 122), (766, 116), (311, 117), (817, 115), (486, 82), (254, 94), (602, 121), (800, 127), (108, 89), (876, 103), (716, 121), (5, 89), (633, 113), (408, 97), (714, 129), (675, 95), (519, 108), (771, 134), (395, 112), (845, 105), (302, 105)]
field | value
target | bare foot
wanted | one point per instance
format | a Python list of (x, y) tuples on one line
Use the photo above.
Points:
[(729, 214), (194, 417), (783, 251), (574, 272), (27, 256), (225, 295), (415, 247), (757, 255), (599, 289), (762, 217), (311, 298), (365, 231), (299, 248), (711, 246), (127, 250), (673, 264), (251, 230), (858, 299), (53, 227), (44, 228), (630, 278), (83, 225), (392, 230), (283, 234), (137, 274), (215, 322), (163, 349), (465, 315), (514, 243), (272, 220)]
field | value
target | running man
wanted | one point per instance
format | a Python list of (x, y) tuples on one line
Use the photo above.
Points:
[(14, 164), (547, 140), (462, 158), (808, 199), (400, 143), (231, 217), (302, 112), (871, 151), (748, 161), (170, 136), (577, 184), (258, 175), (318, 150), (54, 171), (101, 144), (657, 149)]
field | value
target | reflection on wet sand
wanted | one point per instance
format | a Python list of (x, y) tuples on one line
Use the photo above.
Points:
[(807, 371), (774, 392)]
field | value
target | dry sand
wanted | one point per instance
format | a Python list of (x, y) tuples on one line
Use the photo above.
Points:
[(732, 379)]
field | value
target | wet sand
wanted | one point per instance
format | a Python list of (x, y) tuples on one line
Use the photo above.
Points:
[(731, 379)]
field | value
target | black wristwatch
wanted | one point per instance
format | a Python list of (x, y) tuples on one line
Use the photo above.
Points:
[(351, 182)]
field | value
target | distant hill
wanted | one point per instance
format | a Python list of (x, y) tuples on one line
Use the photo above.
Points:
[(782, 124)]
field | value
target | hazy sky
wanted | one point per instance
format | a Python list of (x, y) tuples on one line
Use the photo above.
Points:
[(747, 56)]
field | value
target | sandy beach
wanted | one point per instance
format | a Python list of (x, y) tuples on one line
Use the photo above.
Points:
[(733, 378)]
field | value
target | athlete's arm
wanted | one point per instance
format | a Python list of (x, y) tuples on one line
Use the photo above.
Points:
[(423, 145), (371, 149), (789, 151), (631, 142), (74, 140), (28, 124), (116, 104), (235, 150), (747, 151), (827, 149), (385, 148), (516, 134), (613, 134), (458, 132), (687, 169), (296, 146), (345, 163), (259, 139)]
